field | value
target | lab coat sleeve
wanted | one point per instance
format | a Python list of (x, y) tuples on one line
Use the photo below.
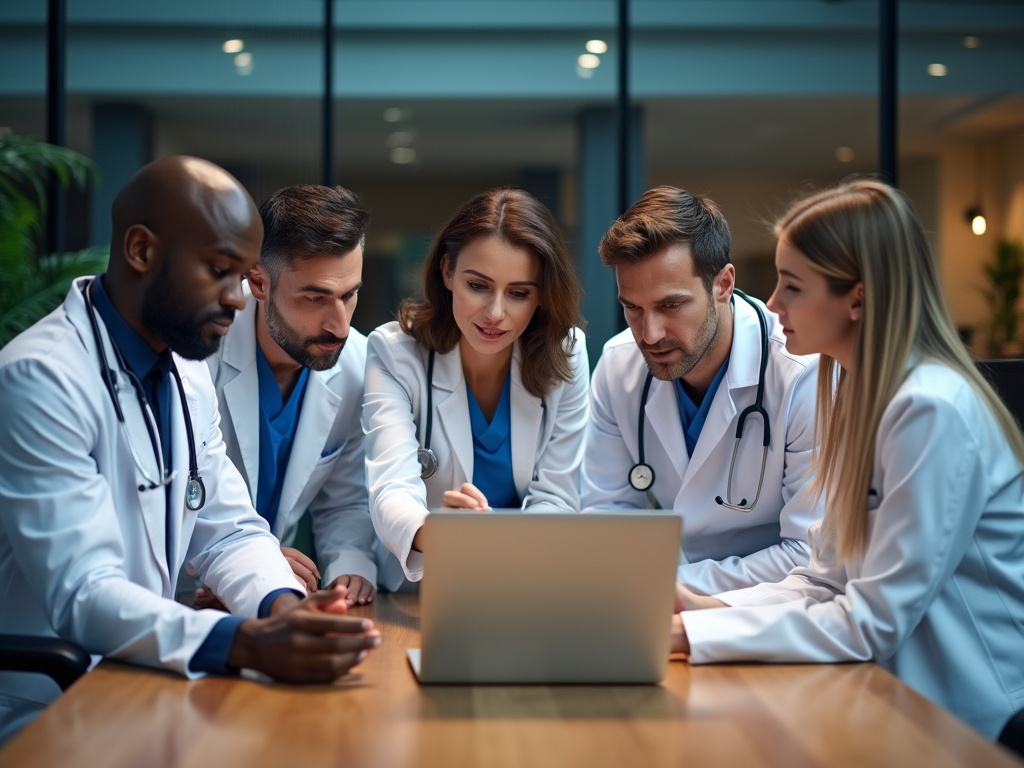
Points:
[(604, 475), (556, 483), (934, 491), (61, 520), (342, 528), (800, 510), (232, 550), (398, 497)]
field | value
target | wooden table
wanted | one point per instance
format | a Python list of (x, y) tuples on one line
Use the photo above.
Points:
[(749, 715)]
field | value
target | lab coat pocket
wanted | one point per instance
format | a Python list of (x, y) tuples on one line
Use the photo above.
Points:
[(328, 459)]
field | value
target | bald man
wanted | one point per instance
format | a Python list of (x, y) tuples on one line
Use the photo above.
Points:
[(113, 472)]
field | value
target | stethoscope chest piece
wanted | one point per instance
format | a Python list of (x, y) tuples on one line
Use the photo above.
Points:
[(641, 476), (195, 493), (428, 462)]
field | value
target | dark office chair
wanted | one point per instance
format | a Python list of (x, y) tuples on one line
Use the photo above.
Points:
[(1012, 736), (1007, 376), (61, 660)]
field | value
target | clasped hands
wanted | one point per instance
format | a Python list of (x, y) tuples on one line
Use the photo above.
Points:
[(688, 600)]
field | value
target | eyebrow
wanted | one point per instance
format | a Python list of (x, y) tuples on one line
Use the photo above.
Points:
[(791, 275), (327, 291), (230, 253), (672, 298), (491, 279)]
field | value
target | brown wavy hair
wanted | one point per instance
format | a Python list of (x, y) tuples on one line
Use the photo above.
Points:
[(522, 221)]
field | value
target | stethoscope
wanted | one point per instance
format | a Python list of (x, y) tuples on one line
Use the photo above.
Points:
[(195, 490), (424, 455), (641, 476)]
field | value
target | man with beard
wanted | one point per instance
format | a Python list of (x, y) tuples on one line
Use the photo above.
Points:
[(113, 473), (289, 378), (668, 399)]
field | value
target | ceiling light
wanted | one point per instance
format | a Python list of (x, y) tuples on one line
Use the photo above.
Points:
[(845, 154), (937, 70), (243, 60), (400, 139), (589, 61), (403, 155), (396, 114), (971, 42), (977, 221), (232, 46), (586, 74), (597, 46)]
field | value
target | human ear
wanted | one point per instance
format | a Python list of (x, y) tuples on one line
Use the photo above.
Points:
[(724, 283), (856, 302), (259, 283), (445, 274), (140, 248)]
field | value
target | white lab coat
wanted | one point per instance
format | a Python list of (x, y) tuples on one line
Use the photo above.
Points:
[(83, 553), (724, 549), (332, 487), (938, 596), (547, 437)]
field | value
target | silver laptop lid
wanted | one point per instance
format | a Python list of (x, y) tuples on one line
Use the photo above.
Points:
[(547, 598)]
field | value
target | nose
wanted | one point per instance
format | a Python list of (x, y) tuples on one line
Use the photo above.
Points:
[(773, 302), (233, 297), (337, 321), (652, 330), (495, 309)]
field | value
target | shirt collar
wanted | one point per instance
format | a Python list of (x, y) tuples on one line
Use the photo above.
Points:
[(138, 355)]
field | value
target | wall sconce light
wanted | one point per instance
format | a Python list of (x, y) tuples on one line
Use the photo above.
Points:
[(977, 221), (974, 215)]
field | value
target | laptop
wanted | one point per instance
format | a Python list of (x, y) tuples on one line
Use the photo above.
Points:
[(509, 597)]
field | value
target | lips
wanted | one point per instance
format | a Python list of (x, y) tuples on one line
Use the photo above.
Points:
[(221, 326), (489, 333)]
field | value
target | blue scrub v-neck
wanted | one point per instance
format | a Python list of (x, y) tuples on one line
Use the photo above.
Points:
[(492, 449)]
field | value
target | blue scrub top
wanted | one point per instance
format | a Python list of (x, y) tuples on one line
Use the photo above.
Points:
[(693, 416), (492, 450), (278, 420)]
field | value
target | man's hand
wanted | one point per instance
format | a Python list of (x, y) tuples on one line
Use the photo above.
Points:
[(360, 591), (204, 598), (304, 641), (305, 570)]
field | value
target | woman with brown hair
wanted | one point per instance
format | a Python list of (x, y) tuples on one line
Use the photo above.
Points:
[(476, 397)]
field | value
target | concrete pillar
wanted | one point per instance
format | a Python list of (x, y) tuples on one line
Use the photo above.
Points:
[(122, 143), (598, 145)]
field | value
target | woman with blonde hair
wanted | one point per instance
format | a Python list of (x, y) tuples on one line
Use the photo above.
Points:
[(477, 396), (919, 561)]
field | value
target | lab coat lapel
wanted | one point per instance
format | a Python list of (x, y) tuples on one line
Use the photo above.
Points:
[(663, 415), (320, 406), (241, 393), (453, 413), (178, 511), (151, 504), (744, 362), (527, 416)]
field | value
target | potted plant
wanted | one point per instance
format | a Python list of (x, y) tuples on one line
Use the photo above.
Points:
[(32, 284), (1003, 276)]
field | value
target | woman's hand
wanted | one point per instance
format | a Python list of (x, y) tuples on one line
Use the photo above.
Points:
[(468, 496), (688, 600)]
